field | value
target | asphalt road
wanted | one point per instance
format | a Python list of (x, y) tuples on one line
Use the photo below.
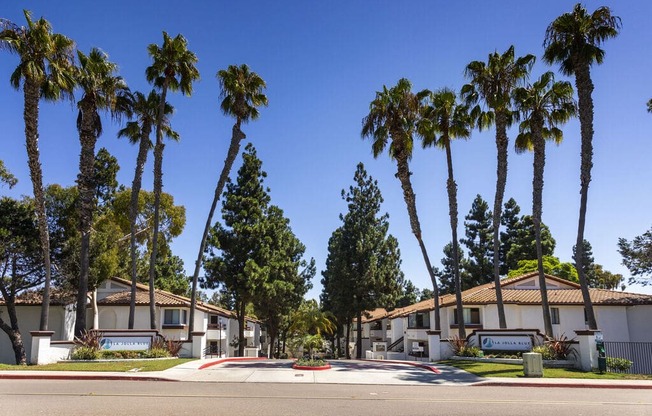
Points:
[(117, 398)]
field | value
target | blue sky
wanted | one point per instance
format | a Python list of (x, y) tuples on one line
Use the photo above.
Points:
[(323, 63)]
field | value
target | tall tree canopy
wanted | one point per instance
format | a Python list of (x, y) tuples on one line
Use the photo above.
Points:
[(21, 267), (363, 265), (573, 40), (478, 225), (394, 115), (46, 71), (637, 257), (241, 91), (254, 255), (491, 84)]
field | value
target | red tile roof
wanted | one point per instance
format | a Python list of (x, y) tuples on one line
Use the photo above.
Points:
[(486, 294)]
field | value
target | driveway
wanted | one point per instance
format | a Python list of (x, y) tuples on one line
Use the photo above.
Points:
[(341, 372)]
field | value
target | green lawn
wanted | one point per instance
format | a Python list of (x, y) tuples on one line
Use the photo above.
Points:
[(119, 366), (516, 370)]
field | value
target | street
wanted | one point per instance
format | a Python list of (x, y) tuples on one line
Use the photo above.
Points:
[(75, 397)]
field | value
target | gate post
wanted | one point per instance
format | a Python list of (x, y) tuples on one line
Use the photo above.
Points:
[(588, 353)]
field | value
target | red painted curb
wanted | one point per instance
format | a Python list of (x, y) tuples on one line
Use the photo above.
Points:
[(77, 377), (308, 368), (424, 366), (574, 386), (231, 359)]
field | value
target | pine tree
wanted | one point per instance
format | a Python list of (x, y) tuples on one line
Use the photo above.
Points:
[(479, 241), (363, 265), (524, 245), (446, 275), (235, 253), (588, 264), (511, 221)]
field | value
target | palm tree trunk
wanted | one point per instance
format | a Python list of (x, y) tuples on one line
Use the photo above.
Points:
[(537, 208), (451, 187), (158, 186), (403, 175), (30, 115), (584, 87), (236, 137), (143, 149), (86, 193), (501, 180)]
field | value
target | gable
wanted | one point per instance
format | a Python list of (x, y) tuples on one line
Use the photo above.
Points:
[(533, 283)]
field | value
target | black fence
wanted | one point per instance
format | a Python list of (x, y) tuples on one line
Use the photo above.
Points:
[(639, 353)]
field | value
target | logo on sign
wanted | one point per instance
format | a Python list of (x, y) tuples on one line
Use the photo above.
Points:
[(487, 342), (106, 343)]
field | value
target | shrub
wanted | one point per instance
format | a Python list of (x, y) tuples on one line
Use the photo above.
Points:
[(561, 346), (156, 353), (546, 352), (618, 364), (119, 355), (85, 353), (87, 346), (457, 345), (307, 362), (469, 351)]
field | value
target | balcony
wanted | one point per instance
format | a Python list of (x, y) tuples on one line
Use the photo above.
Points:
[(249, 333), (216, 334)]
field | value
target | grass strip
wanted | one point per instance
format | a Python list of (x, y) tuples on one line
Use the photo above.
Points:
[(115, 366)]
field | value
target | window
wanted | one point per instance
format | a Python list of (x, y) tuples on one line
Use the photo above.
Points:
[(554, 315), (471, 316), (174, 317), (419, 320), (376, 325)]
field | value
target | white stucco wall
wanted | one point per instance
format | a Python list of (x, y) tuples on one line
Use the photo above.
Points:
[(29, 318), (639, 320)]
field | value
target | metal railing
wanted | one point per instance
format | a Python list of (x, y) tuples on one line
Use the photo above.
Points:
[(639, 353)]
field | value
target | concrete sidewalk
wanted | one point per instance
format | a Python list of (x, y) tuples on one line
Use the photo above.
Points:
[(243, 370)]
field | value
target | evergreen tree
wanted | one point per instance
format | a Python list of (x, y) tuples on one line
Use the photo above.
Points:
[(410, 295), (524, 245), (478, 241), (281, 277), (363, 265), (511, 221), (21, 265), (551, 265), (446, 275), (235, 254), (588, 264), (604, 279), (637, 257)]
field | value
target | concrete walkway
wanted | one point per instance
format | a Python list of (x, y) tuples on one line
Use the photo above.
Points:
[(369, 372)]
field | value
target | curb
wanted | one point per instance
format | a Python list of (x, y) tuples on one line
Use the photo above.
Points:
[(231, 359), (424, 366), (564, 385)]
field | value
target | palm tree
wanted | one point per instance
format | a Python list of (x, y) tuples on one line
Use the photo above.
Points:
[(241, 91), (443, 120), (174, 69), (543, 106), (46, 62), (573, 40), (102, 90), (145, 108), (493, 83), (394, 114)]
